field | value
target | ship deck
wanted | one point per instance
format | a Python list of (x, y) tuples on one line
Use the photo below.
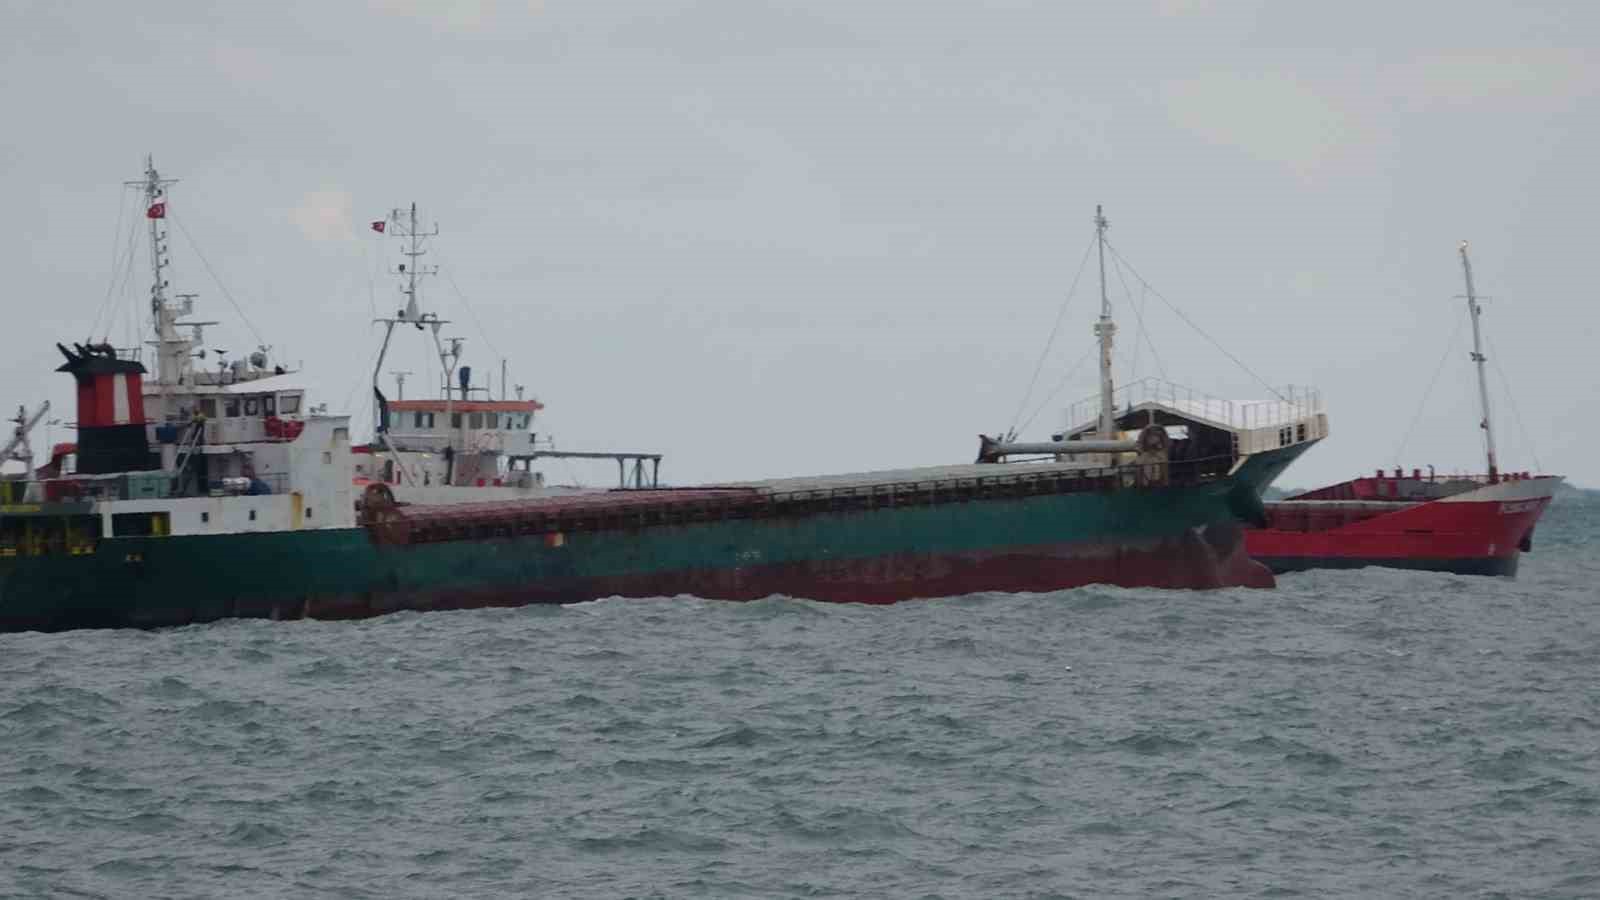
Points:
[(920, 475), (777, 498)]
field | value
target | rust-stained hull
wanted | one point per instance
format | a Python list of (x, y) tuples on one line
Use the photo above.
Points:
[(934, 540), (1211, 558)]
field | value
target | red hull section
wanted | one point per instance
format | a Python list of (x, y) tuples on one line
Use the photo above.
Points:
[(1478, 531), (1215, 560)]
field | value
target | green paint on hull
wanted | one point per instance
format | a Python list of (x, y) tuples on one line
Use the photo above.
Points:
[(173, 580)]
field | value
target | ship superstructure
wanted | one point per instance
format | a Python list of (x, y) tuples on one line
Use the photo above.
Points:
[(188, 449), (465, 445), (183, 450)]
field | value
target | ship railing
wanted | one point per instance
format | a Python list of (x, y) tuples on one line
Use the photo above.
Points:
[(78, 489), (156, 484), (269, 483), (1294, 403), (1435, 477), (517, 518)]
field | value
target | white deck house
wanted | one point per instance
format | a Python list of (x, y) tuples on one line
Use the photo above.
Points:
[(454, 443)]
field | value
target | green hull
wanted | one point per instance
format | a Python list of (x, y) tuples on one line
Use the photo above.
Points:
[(1168, 536)]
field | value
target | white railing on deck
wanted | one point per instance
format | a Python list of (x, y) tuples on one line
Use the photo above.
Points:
[(1297, 404)]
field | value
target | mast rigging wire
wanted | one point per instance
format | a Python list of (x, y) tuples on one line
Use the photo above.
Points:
[(1511, 400), (1054, 329), (482, 332), (1138, 313), (1061, 385), (1190, 322), (213, 273), (131, 336), (1449, 346), (116, 264), (362, 380), (119, 288), (472, 314), (368, 268)]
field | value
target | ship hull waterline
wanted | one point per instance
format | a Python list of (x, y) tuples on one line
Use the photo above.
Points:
[(1483, 532), (1176, 537)]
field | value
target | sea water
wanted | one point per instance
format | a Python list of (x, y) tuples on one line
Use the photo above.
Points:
[(1364, 733)]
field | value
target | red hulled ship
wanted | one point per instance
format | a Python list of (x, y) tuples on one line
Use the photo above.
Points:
[(1466, 524)]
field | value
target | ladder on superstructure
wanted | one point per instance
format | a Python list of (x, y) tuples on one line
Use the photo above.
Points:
[(186, 450)]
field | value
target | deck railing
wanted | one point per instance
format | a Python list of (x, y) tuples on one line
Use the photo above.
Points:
[(415, 525), (1294, 404)]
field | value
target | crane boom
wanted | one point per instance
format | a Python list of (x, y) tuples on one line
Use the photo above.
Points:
[(25, 424)]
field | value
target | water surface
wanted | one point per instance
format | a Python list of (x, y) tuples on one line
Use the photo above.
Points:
[(1372, 733)]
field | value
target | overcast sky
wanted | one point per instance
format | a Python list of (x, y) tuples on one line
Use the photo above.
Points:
[(782, 238)]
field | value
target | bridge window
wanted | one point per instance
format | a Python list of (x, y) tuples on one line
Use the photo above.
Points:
[(491, 420), (455, 420), (475, 421), (208, 407), (269, 405), (230, 407), (289, 404), (252, 406)]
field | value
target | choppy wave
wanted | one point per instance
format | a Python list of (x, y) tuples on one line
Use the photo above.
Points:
[(1368, 733)]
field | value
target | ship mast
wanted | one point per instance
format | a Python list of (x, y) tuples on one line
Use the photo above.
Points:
[(413, 251), (1104, 330), (411, 315), (1475, 310), (172, 350)]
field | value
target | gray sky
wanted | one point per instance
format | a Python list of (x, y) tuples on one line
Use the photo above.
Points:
[(781, 238)]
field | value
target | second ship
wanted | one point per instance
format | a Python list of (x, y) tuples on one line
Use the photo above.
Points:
[(1477, 524)]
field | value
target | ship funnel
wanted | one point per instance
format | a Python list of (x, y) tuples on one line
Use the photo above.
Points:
[(111, 423)]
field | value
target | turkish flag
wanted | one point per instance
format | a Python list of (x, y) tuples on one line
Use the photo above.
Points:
[(378, 226), (157, 210)]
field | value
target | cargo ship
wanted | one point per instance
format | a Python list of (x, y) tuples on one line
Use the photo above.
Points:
[(202, 495), (1476, 524)]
